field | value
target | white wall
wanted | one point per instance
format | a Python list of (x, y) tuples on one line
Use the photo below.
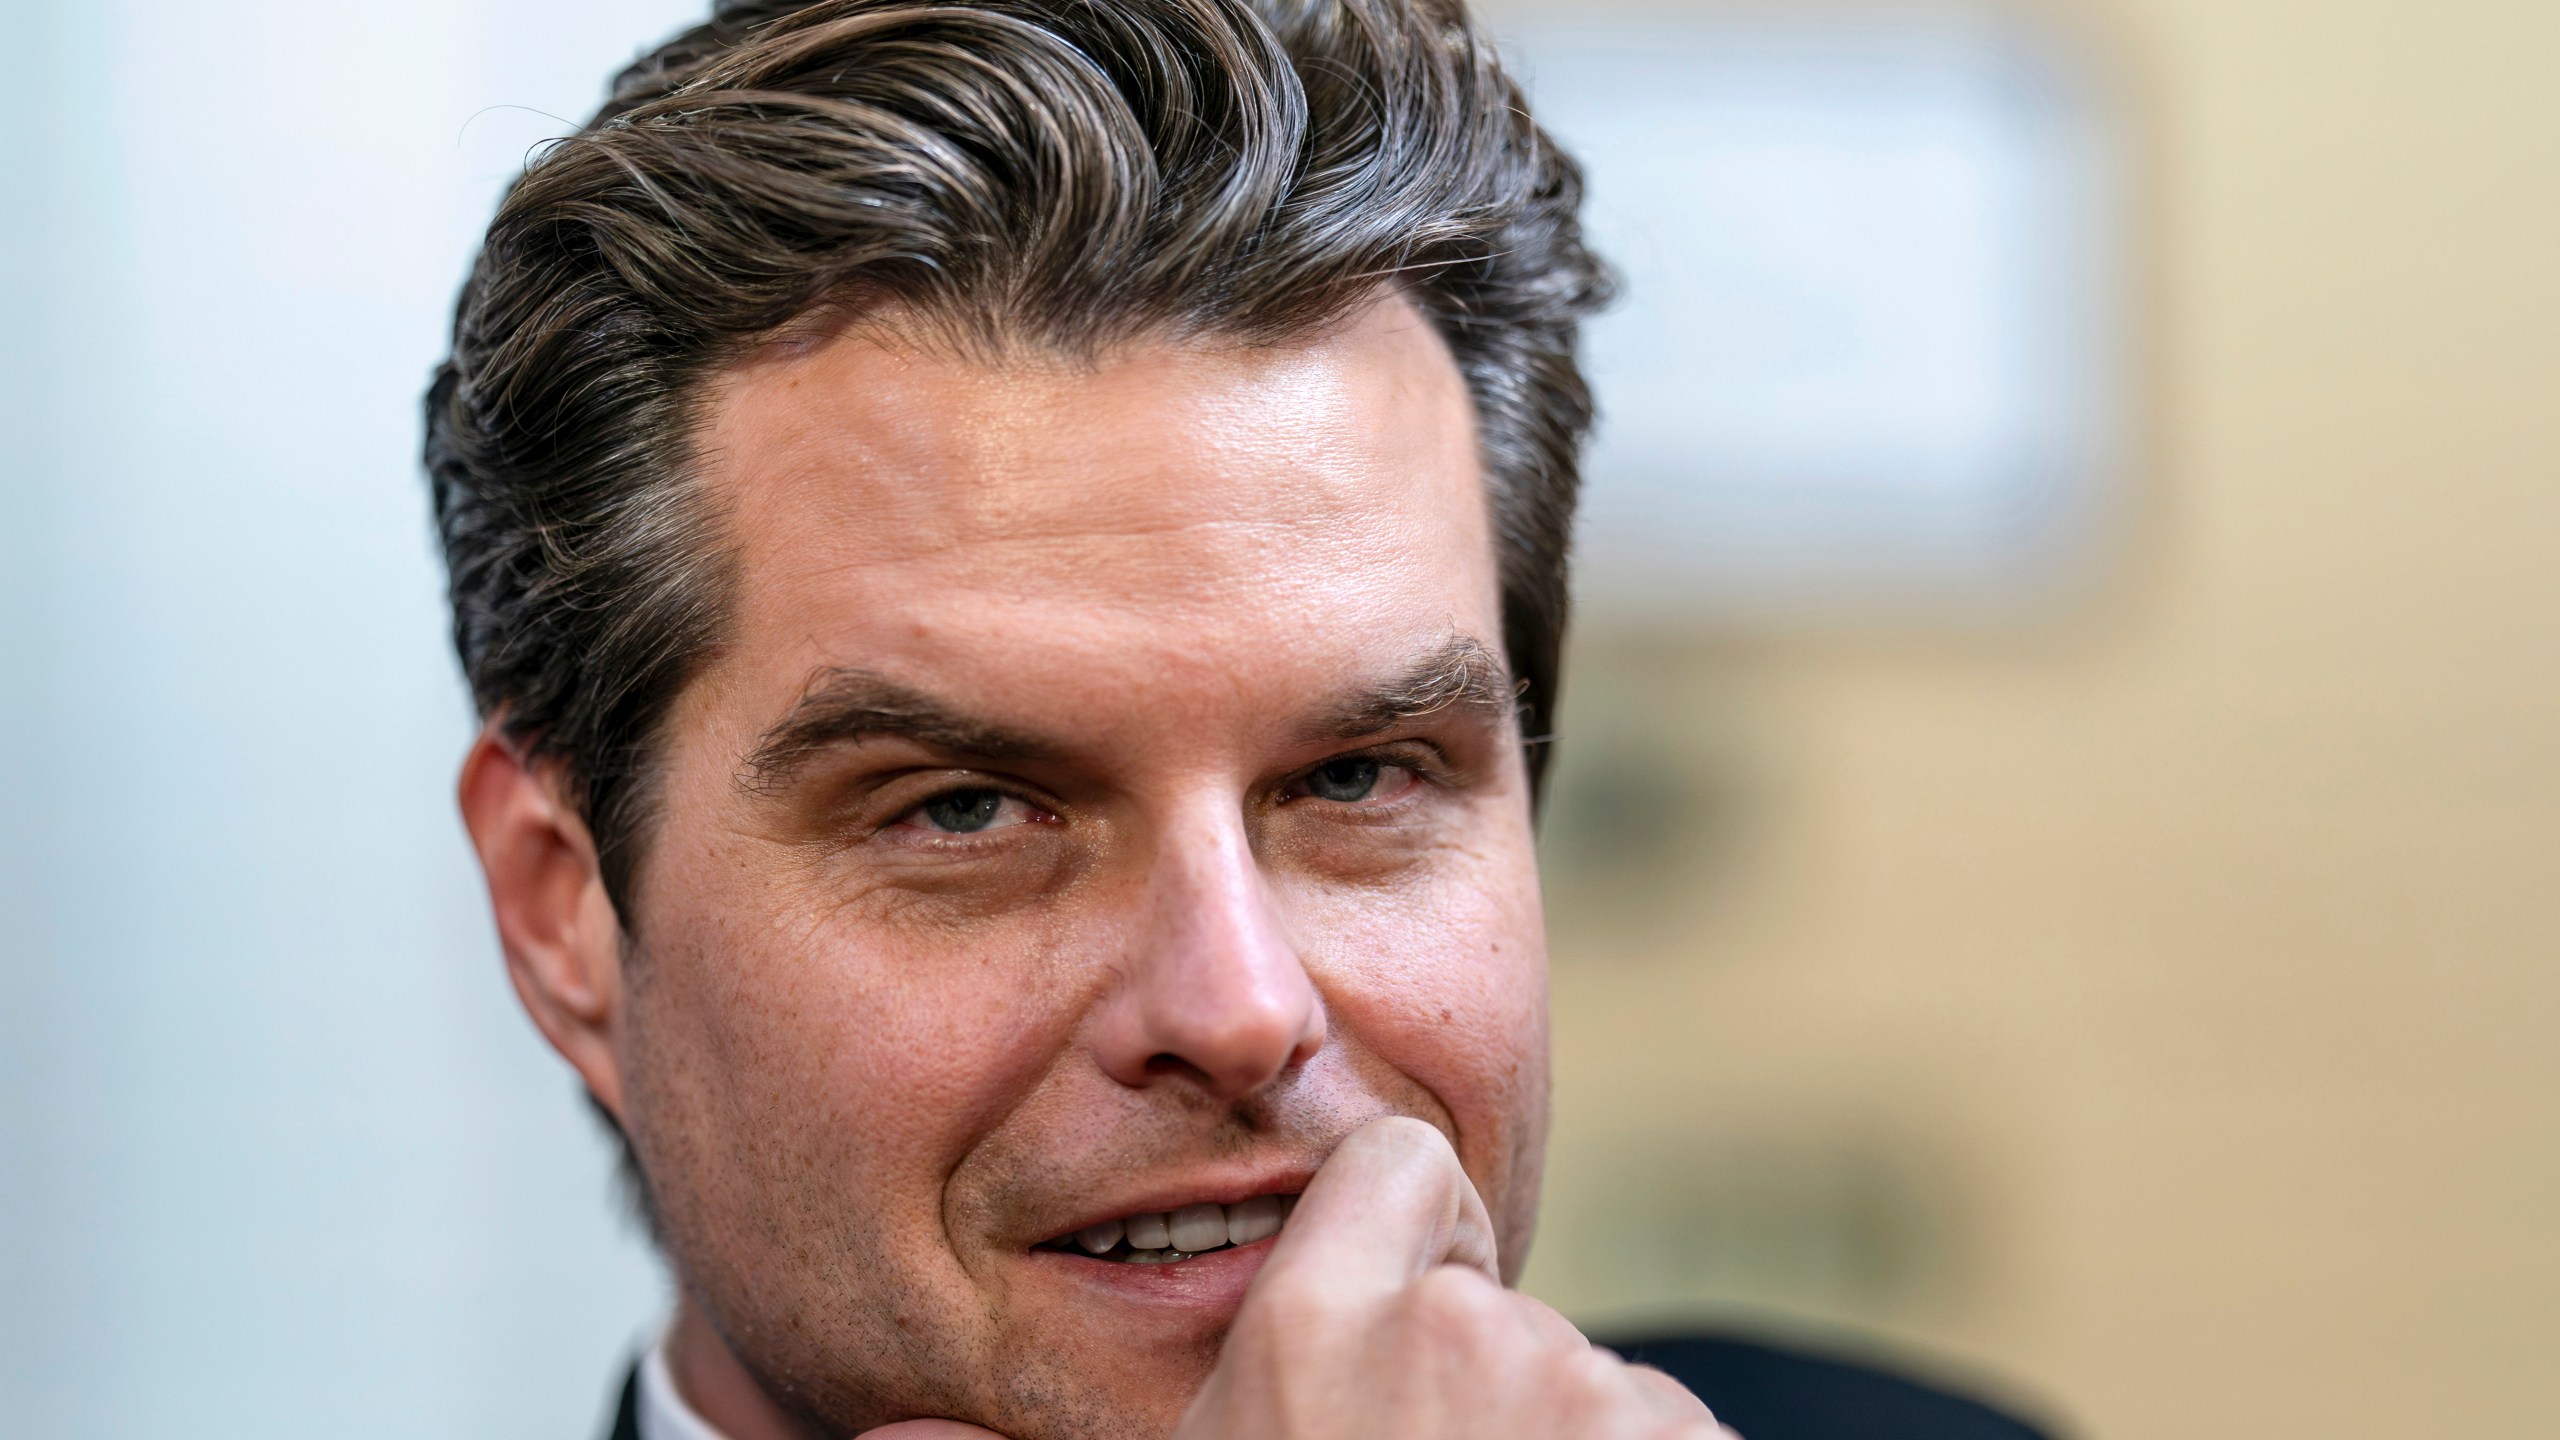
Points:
[(1863, 362), (278, 1156)]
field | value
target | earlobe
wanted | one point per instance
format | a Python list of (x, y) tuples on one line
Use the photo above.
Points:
[(556, 925)]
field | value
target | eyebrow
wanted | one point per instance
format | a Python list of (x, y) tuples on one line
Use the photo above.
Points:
[(846, 705), (1461, 674)]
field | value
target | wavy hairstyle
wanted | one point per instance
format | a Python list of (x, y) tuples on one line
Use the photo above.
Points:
[(1064, 174)]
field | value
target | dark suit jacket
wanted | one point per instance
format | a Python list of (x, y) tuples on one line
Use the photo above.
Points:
[(1762, 1391), (626, 1411), (1768, 1393)]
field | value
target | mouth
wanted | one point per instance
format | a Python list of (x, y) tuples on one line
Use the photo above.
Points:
[(1165, 1237)]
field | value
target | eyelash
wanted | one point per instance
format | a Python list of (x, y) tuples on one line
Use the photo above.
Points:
[(1418, 760), (1042, 814)]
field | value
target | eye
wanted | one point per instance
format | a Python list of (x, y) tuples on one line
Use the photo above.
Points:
[(1351, 779), (967, 812), (1345, 780)]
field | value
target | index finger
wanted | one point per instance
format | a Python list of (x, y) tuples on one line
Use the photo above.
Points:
[(1390, 1204)]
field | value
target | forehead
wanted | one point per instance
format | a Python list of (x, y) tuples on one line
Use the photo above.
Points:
[(1143, 516)]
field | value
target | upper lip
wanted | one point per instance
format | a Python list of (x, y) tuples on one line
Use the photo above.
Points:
[(1224, 1187)]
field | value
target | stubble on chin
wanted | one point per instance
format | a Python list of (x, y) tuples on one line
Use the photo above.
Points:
[(1023, 1388)]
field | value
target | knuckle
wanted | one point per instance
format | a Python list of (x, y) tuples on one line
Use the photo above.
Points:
[(1456, 1291), (1453, 1304), (1601, 1372), (1597, 1381), (1645, 1403)]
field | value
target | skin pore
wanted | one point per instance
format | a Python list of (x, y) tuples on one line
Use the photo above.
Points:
[(1107, 798)]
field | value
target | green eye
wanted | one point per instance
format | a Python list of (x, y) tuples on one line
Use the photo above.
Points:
[(964, 812), (1344, 780)]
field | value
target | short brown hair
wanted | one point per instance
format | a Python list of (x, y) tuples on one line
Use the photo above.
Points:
[(1060, 173)]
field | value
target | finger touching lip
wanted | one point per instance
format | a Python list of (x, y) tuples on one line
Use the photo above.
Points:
[(1390, 1203)]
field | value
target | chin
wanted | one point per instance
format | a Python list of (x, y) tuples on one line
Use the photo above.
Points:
[(1094, 1389), (1115, 1350)]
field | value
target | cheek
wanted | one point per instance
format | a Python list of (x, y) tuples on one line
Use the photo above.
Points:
[(824, 1065), (1444, 980)]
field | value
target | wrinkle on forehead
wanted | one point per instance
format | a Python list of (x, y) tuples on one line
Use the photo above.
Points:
[(1043, 452)]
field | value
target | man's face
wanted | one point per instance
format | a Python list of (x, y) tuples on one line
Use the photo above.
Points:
[(1107, 797)]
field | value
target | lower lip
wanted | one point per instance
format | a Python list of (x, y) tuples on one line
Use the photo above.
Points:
[(1214, 1282)]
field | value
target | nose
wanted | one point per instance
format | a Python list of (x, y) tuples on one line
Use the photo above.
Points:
[(1214, 993)]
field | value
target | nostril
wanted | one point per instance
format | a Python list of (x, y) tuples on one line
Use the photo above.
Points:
[(1225, 1075), (1164, 1064)]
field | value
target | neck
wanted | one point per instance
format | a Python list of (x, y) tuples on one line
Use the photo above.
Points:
[(710, 1377)]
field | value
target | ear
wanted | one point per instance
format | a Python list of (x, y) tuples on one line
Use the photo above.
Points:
[(562, 940)]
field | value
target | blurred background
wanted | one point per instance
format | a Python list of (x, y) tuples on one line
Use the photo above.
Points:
[(2052, 852)]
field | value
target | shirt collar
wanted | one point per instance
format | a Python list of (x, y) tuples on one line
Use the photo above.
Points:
[(664, 1415)]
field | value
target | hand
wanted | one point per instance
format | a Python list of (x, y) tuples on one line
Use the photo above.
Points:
[(1380, 1317)]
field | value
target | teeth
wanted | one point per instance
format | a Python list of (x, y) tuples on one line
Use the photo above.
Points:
[(1149, 1232), (1199, 1227), (1254, 1219), (1157, 1239)]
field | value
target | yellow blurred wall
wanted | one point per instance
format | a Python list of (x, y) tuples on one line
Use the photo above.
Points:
[(2161, 1007)]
